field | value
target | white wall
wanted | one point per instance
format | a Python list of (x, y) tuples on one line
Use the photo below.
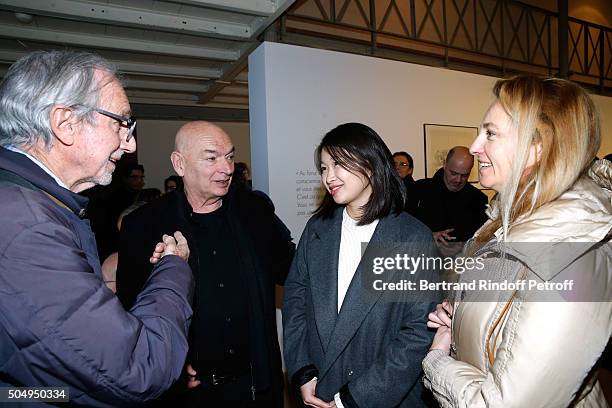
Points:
[(297, 94), (308, 91), (156, 142)]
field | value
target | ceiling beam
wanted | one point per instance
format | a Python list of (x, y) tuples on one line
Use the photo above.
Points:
[(116, 43), (138, 68), (234, 90), (165, 85), (233, 69), (255, 7), (228, 75), (8, 57), (128, 16), (238, 100), (176, 112), (160, 101), (260, 25), (176, 71), (145, 94)]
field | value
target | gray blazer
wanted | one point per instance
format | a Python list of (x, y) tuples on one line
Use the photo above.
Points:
[(374, 345)]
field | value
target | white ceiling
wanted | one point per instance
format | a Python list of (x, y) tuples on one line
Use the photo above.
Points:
[(171, 52)]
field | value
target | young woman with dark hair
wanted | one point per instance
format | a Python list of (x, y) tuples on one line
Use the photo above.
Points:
[(359, 150), (344, 346)]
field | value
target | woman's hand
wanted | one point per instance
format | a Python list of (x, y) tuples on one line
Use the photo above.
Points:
[(442, 339), (441, 319), (442, 316), (308, 396)]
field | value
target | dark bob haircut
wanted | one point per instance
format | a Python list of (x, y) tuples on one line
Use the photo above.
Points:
[(360, 150)]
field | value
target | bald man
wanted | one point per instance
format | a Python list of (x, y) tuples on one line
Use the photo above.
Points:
[(240, 249), (451, 207)]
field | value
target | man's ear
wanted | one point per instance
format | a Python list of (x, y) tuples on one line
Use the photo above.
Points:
[(62, 123), (178, 163)]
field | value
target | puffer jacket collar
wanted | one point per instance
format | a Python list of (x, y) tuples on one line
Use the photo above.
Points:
[(581, 216)]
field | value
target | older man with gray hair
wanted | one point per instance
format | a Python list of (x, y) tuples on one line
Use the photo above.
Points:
[(64, 123)]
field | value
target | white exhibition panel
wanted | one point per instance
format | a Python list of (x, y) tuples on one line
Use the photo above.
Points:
[(297, 94)]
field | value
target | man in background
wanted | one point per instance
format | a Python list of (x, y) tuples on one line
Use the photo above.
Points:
[(451, 207), (134, 178), (107, 203), (404, 165), (172, 183)]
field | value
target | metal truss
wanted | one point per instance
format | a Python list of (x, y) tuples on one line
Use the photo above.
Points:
[(498, 36)]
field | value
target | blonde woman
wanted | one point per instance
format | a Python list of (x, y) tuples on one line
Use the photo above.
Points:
[(551, 218)]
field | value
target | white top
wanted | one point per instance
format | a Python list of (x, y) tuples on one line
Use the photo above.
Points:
[(351, 238)]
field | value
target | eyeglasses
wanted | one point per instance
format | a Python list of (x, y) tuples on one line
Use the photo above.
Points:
[(401, 164), (127, 122)]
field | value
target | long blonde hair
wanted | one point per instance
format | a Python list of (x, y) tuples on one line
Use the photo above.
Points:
[(560, 117)]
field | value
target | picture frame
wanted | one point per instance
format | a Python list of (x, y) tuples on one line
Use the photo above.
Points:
[(439, 139)]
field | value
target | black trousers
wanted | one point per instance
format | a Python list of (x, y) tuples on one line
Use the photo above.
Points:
[(235, 394)]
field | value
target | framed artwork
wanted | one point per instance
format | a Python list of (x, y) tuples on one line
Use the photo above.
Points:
[(439, 139)]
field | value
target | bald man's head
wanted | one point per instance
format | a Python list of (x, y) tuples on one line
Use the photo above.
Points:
[(457, 168), (204, 156), (193, 131)]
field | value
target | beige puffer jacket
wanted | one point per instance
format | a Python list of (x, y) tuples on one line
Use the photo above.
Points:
[(543, 353)]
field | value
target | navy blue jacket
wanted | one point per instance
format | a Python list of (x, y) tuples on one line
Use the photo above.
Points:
[(60, 326)]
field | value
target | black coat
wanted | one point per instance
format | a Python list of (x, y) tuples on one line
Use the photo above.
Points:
[(265, 249), (439, 208)]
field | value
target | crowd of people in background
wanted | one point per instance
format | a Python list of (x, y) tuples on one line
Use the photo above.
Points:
[(181, 310)]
